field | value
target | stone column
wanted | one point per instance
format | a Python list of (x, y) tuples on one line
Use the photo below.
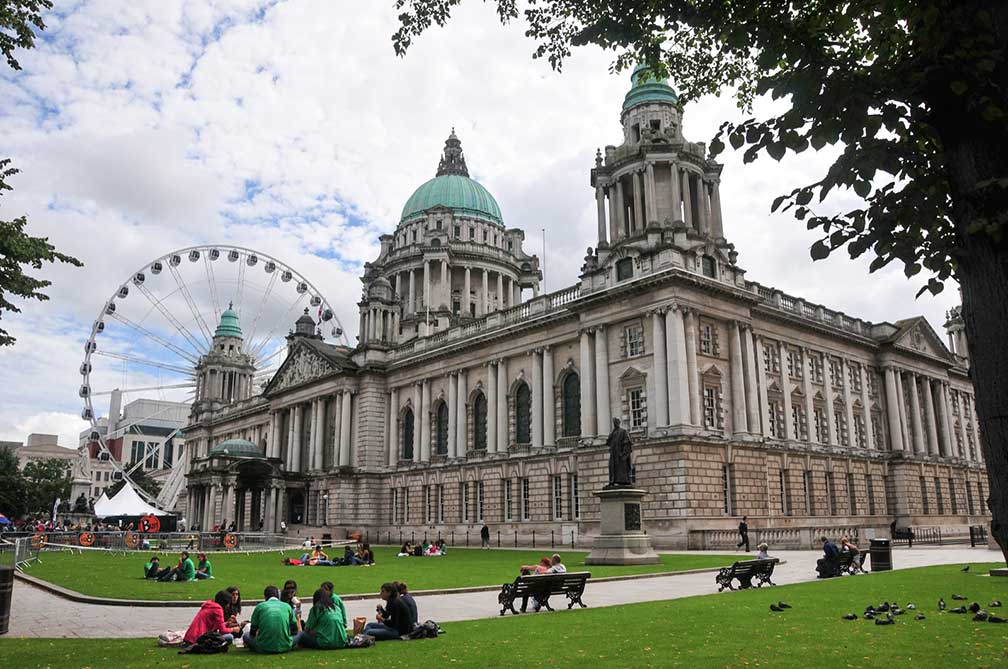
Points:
[(943, 420), (764, 402), (537, 399), (500, 291), (614, 231), (486, 292), (807, 391), (929, 411), (517, 292), (677, 208), (905, 434), (676, 366), (269, 524), (717, 225), (426, 285), (692, 372), (445, 283), (660, 367), (620, 208), (600, 205), (452, 415), (638, 202), (701, 199), (915, 417), (976, 430), (650, 201), (785, 384), (603, 407), (312, 434), (461, 422), (425, 450), (346, 419), (831, 425), (229, 504), (749, 364), (848, 402), (492, 416), (395, 327), (337, 428), (298, 431), (502, 408), (587, 380), (393, 427), (466, 295), (866, 408), (411, 304), (549, 408), (687, 199), (274, 438)]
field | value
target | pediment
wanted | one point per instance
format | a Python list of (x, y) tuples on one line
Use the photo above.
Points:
[(918, 336), (631, 374), (302, 366)]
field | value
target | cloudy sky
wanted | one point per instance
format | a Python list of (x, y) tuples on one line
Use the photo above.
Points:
[(292, 128)]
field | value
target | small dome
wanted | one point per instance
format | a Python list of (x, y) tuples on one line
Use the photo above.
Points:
[(646, 88), (237, 448), (304, 324), (228, 324)]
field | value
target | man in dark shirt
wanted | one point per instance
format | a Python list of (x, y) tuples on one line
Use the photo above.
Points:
[(829, 564), (829, 549), (394, 618), (743, 532), (409, 602)]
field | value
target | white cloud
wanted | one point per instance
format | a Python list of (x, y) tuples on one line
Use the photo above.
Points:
[(293, 128)]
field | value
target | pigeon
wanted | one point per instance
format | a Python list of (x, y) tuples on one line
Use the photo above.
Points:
[(995, 604), (919, 616), (869, 616), (996, 619), (974, 607), (958, 609), (884, 607), (965, 569), (898, 612), (980, 616), (869, 609), (884, 621), (911, 607), (941, 603), (850, 616), (783, 605), (959, 598), (774, 607)]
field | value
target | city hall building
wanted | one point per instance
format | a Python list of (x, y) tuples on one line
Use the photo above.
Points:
[(471, 397)]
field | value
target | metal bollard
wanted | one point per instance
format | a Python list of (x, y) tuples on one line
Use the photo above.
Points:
[(552, 544), (467, 538), (516, 538), (498, 539), (572, 539)]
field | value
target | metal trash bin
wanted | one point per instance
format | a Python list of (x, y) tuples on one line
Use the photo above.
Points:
[(881, 555), (6, 595)]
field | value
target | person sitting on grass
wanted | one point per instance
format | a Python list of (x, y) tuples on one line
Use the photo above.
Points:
[(365, 555), (289, 596), (410, 603), (337, 601), (326, 625), (349, 559), (211, 618), (318, 557), (406, 550), (292, 562), (393, 620), (204, 569), (273, 628), (185, 570), (153, 568), (234, 608)]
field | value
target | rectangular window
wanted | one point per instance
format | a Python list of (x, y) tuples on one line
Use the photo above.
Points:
[(557, 498), (576, 501), (457, 232), (852, 494), (840, 425), (708, 339), (952, 497), (636, 400), (983, 503), (486, 236), (508, 499), (394, 506), (969, 499), (526, 503), (404, 494), (939, 498), (440, 503), (428, 504), (472, 233), (831, 493), (785, 493), (859, 430), (870, 485), (798, 427), (836, 373), (815, 366), (136, 452), (464, 500), (635, 340), (624, 269), (794, 365), (728, 488), (480, 506), (924, 496), (820, 425), (774, 420), (809, 493)]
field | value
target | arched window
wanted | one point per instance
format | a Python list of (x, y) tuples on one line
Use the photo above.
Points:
[(572, 406), (523, 414), (441, 437), (407, 435), (480, 422)]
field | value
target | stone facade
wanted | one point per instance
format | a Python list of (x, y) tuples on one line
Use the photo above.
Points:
[(468, 400)]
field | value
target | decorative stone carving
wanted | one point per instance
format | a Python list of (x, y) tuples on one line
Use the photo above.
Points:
[(304, 367)]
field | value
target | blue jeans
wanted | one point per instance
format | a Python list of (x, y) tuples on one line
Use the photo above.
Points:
[(308, 640), (201, 575), (251, 644), (381, 632)]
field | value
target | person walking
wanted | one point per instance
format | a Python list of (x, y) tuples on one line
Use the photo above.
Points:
[(485, 536), (743, 532)]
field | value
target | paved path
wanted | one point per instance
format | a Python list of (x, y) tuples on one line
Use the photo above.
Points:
[(36, 613)]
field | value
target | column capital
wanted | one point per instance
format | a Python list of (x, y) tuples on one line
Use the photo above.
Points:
[(588, 330)]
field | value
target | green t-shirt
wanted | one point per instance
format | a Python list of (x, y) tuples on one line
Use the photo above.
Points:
[(272, 621), (205, 565), (188, 569), (329, 626), (147, 569)]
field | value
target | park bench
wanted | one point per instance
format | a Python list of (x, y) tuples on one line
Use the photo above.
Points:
[(744, 572), (541, 587)]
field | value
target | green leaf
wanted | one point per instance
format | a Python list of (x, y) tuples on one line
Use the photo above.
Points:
[(958, 87), (862, 187), (736, 139), (778, 201), (716, 147), (804, 197), (776, 150), (819, 251)]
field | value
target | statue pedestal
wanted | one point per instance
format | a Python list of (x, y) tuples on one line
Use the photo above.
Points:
[(621, 539), (78, 487)]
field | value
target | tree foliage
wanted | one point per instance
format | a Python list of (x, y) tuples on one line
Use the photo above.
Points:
[(140, 480), (45, 481), (13, 488), (19, 19)]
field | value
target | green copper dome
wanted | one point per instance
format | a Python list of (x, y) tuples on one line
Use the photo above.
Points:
[(646, 88), (452, 188), (228, 324), (237, 448)]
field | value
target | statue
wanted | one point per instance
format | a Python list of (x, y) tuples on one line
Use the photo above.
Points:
[(619, 456), (80, 504), (82, 465)]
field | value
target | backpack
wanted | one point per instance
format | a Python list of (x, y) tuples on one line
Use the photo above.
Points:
[(209, 643), (361, 641), (170, 638), (426, 630)]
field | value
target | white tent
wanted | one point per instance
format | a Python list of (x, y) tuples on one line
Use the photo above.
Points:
[(126, 502)]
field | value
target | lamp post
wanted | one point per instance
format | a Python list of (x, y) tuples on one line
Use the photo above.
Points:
[(325, 510)]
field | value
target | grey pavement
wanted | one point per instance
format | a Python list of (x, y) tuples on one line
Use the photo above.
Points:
[(37, 613)]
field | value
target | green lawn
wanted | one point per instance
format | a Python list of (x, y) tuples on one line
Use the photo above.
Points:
[(728, 629), (106, 575)]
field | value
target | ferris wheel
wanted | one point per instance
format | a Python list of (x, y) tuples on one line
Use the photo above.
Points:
[(152, 331)]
